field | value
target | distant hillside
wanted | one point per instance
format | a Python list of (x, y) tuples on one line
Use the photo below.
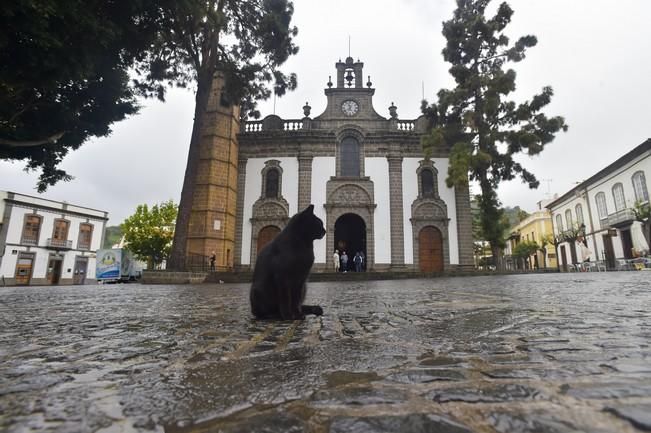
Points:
[(515, 215), (112, 236)]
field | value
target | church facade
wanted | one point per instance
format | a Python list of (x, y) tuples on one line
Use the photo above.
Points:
[(367, 177)]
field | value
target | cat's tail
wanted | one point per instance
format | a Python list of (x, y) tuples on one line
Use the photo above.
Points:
[(312, 309)]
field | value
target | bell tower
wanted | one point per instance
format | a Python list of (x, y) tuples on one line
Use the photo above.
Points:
[(349, 98), (349, 74), (212, 219)]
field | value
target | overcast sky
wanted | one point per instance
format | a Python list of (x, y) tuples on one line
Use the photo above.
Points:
[(596, 54)]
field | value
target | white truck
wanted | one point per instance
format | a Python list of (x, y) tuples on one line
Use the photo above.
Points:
[(115, 265)]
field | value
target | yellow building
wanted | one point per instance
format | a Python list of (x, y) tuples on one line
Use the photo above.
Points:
[(536, 227)]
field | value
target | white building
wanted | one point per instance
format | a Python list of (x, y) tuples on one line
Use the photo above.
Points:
[(45, 242), (602, 209), (367, 177)]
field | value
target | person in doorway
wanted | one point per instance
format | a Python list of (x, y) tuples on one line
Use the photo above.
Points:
[(344, 261), (213, 258), (357, 260), (335, 260)]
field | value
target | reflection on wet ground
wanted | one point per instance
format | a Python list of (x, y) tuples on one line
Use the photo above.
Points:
[(533, 353)]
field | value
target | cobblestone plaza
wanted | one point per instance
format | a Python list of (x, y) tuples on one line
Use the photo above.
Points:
[(527, 353)]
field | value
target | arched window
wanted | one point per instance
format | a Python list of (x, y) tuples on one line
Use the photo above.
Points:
[(601, 205), (272, 183), (349, 157), (568, 219), (639, 186), (559, 223), (618, 196), (427, 182), (579, 214)]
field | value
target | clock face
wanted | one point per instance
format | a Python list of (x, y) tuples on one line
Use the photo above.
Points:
[(350, 108)]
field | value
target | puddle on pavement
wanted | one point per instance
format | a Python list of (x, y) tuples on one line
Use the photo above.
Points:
[(339, 378)]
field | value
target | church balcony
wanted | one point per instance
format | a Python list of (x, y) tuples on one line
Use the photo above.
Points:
[(405, 125), (274, 124)]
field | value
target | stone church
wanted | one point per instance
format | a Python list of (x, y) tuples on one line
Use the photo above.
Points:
[(366, 175)]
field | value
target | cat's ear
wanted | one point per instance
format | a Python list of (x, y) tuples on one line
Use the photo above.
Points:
[(309, 210)]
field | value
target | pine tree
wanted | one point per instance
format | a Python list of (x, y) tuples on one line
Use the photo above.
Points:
[(475, 120)]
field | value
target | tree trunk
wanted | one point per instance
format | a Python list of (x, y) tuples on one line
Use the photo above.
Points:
[(178, 255), (558, 260)]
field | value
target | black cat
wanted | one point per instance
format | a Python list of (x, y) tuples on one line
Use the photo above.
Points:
[(281, 270)]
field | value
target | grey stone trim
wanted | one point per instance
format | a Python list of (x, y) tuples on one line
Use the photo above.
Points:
[(319, 143), (464, 227), (239, 217), (54, 210), (396, 211), (427, 165), (4, 229), (271, 165), (429, 211), (267, 212), (354, 196), (304, 181)]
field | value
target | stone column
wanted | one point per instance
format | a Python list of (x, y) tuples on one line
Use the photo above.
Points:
[(396, 212), (304, 181), (239, 222), (464, 228)]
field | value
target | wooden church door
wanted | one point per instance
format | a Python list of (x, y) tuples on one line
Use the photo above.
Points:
[(266, 235), (430, 247)]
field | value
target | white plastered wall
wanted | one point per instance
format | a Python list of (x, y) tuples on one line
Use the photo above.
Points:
[(322, 169), (378, 170), (410, 193), (253, 191)]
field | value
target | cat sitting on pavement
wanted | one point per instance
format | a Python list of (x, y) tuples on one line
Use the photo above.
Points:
[(282, 267)]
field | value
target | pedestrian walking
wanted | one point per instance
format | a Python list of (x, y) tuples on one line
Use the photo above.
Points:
[(344, 262)]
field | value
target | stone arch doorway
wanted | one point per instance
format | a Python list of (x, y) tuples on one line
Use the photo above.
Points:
[(266, 235), (430, 248), (350, 236)]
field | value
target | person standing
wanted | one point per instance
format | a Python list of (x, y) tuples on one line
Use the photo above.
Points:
[(213, 258), (335, 260), (344, 261), (357, 260)]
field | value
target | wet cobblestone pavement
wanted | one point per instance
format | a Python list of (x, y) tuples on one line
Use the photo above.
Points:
[(531, 353)]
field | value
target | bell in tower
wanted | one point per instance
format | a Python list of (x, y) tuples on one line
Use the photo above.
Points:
[(350, 74)]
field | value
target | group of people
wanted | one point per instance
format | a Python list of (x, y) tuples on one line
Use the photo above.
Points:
[(342, 263)]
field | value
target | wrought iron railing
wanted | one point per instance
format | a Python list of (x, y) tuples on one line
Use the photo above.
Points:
[(621, 217), (58, 243), (29, 241)]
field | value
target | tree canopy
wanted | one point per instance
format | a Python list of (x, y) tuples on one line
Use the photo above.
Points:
[(476, 120), (642, 212), (70, 69), (148, 233), (64, 75)]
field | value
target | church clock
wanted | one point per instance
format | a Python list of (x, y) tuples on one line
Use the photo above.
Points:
[(350, 108)]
